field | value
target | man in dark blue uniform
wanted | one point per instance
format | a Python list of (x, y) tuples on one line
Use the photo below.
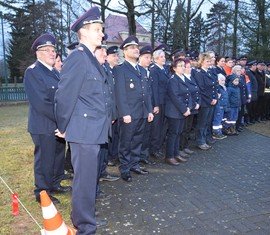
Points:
[(103, 175), (145, 60), (112, 61), (134, 107), (40, 82), (83, 116)]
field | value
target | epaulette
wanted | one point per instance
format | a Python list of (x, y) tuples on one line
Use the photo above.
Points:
[(151, 66), (80, 49), (198, 70), (32, 66)]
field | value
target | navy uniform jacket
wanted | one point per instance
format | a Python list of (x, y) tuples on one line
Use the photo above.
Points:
[(253, 85), (178, 98), (219, 70), (40, 85), (223, 100), (207, 85), (243, 87), (132, 93), (149, 83), (81, 108), (111, 83), (260, 76), (159, 85), (195, 93), (234, 96)]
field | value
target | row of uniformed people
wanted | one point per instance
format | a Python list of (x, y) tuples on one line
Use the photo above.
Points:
[(131, 152)]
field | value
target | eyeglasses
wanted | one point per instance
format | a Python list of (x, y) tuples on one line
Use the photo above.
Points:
[(48, 50)]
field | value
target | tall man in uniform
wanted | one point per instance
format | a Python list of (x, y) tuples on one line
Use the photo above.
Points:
[(40, 82), (134, 107), (83, 116)]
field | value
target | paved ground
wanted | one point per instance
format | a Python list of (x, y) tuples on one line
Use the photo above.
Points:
[(222, 191)]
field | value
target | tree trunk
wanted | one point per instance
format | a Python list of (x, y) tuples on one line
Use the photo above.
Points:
[(153, 25), (131, 17), (186, 31), (262, 27), (235, 25)]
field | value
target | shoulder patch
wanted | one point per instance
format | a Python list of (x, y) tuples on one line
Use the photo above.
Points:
[(32, 66)]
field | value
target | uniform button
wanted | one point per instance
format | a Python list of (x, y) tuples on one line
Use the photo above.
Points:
[(95, 78), (85, 115), (143, 87), (52, 87)]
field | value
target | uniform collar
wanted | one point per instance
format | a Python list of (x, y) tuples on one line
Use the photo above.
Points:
[(46, 65), (133, 64), (161, 67)]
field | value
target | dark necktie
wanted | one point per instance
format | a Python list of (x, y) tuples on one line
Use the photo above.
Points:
[(138, 69)]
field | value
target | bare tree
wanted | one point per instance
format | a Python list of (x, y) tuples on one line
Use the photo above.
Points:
[(128, 9)]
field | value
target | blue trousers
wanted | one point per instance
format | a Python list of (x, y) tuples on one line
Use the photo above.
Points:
[(204, 121), (157, 135), (185, 135), (146, 141), (130, 143), (233, 115), (84, 159), (175, 127), (218, 119), (102, 163), (49, 162), (114, 142)]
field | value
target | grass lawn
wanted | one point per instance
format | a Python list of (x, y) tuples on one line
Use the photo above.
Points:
[(16, 168)]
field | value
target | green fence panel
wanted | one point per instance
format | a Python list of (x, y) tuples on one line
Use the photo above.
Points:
[(12, 94)]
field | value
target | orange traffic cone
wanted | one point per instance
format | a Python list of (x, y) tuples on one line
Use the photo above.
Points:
[(53, 222)]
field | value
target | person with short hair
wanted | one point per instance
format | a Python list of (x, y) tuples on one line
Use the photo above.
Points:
[(251, 106), (112, 61), (145, 60), (178, 106), (185, 136), (234, 104), (160, 79), (134, 107), (40, 83), (84, 116), (220, 108), (229, 63)]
